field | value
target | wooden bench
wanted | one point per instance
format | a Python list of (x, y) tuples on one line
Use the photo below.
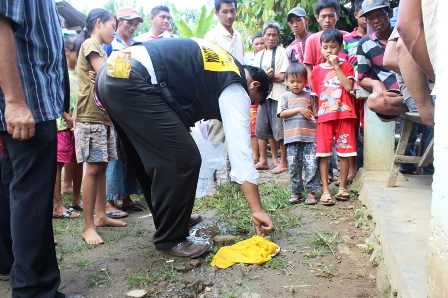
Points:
[(399, 157)]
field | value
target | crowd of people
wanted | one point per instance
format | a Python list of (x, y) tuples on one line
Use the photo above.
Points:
[(67, 105)]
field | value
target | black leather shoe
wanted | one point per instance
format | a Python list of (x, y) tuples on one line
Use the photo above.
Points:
[(194, 219), (188, 249)]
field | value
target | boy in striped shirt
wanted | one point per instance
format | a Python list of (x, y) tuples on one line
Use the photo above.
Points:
[(299, 125)]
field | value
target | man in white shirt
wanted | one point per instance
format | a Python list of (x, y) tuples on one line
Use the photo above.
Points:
[(228, 38), (224, 34), (275, 62), (160, 19)]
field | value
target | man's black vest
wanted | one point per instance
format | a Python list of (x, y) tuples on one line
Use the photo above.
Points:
[(192, 74)]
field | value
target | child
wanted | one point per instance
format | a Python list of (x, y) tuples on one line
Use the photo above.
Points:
[(332, 82), (295, 107), (258, 44), (95, 142), (66, 141)]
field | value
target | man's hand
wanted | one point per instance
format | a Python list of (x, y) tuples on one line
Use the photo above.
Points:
[(334, 60), (69, 122), (378, 86), (19, 121), (270, 72), (263, 222)]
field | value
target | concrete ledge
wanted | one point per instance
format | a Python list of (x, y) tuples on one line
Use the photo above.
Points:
[(402, 216)]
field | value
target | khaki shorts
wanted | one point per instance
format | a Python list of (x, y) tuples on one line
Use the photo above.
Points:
[(94, 142)]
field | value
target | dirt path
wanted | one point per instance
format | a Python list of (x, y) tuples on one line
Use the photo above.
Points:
[(323, 255)]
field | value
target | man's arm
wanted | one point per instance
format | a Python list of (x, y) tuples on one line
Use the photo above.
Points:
[(309, 69), (309, 57), (417, 83), (390, 59), (18, 117), (278, 77), (372, 85), (410, 27), (365, 70), (234, 110), (262, 221)]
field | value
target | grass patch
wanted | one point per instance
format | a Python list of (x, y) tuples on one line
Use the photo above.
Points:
[(315, 252), (233, 210), (82, 263), (100, 279), (280, 263), (362, 216), (145, 277), (323, 242), (230, 295), (141, 278), (72, 226), (326, 272)]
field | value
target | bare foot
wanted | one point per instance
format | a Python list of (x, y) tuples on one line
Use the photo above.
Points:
[(108, 222), (275, 162), (91, 237), (262, 166), (279, 169)]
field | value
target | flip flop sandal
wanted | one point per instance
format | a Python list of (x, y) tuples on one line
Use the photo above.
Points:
[(66, 214), (294, 199), (135, 206), (112, 214), (310, 199), (326, 199), (343, 195), (76, 207)]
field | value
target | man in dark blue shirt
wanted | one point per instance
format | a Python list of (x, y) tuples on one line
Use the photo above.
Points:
[(32, 95)]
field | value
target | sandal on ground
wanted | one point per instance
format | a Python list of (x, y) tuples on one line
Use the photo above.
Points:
[(114, 214), (67, 214), (76, 207), (326, 199), (294, 199), (310, 199), (134, 206), (343, 195)]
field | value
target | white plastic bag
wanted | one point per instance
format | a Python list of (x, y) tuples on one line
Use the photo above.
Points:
[(213, 158)]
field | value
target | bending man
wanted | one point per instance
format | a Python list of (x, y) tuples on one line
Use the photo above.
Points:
[(174, 83)]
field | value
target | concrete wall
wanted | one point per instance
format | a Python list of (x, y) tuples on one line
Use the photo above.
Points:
[(438, 241)]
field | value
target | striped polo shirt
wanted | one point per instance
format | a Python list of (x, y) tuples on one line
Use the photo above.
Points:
[(40, 55), (370, 55), (351, 41)]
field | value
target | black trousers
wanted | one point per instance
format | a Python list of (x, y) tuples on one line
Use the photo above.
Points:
[(27, 252), (160, 150)]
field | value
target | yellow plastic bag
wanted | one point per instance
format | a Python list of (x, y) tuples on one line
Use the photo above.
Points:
[(119, 64), (256, 250)]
